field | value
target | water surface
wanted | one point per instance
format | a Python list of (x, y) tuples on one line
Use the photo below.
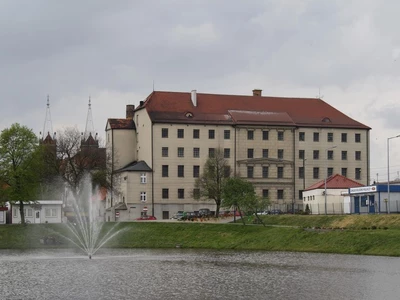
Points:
[(195, 274)]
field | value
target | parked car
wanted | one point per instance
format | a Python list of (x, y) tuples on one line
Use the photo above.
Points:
[(263, 213), (276, 212), (146, 218), (204, 212), (178, 215)]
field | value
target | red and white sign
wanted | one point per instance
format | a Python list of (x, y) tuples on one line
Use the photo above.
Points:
[(117, 213), (145, 208)]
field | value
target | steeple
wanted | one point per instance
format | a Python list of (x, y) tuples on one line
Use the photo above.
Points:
[(47, 136), (89, 136), (89, 129)]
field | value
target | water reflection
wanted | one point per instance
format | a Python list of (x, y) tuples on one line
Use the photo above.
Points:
[(195, 274)]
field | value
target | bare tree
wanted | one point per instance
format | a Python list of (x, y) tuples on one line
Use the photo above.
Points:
[(211, 182), (73, 158)]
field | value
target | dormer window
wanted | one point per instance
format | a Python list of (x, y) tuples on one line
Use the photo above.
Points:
[(189, 115), (326, 120)]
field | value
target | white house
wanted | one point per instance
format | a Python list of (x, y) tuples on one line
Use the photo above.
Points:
[(329, 198), (41, 211), (3, 214)]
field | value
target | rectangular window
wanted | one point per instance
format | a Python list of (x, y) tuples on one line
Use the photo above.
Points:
[(250, 134), (181, 152), (265, 172), (211, 152), (181, 194), (196, 193), (316, 154), (302, 136), (180, 133), (330, 172), (227, 152), (330, 137), (344, 172), (358, 155), (196, 171), (315, 173), (265, 153), (280, 194), (211, 134), (344, 137), (301, 172), (227, 134), (181, 171), (49, 212), (196, 152), (250, 171), (265, 193), (280, 135), (164, 151), (280, 172), (143, 196), (358, 173), (164, 132), (165, 171), (330, 154), (357, 137), (316, 137), (165, 193), (300, 194), (250, 153), (302, 154), (143, 178), (265, 135), (280, 153), (196, 133), (227, 171), (344, 155)]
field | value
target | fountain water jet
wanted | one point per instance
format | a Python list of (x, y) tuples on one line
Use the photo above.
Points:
[(87, 228)]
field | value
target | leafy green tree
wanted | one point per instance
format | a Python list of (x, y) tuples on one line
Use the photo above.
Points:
[(211, 182), (237, 192), (19, 165), (240, 193)]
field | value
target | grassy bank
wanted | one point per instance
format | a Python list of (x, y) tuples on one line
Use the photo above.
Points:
[(315, 234)]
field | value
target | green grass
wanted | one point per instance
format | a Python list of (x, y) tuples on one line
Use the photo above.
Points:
[(355, 239)]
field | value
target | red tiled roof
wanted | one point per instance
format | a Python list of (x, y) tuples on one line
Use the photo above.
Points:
[(121, 123), (335, 182), (236, 109)]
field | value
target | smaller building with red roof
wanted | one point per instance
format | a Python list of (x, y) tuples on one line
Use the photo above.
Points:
[(330, 196)]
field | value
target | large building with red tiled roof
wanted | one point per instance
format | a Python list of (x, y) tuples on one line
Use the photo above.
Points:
[(279, 144)]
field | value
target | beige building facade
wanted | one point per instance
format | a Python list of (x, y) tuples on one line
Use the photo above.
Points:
[(281, 145)]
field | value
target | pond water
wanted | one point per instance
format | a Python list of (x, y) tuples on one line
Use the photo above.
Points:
[(195, 274)]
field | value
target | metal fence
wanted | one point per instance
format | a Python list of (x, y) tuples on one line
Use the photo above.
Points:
[(334, 208)]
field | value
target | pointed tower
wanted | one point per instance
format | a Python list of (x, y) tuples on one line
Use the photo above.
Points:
[(89, 138), (48, 137)]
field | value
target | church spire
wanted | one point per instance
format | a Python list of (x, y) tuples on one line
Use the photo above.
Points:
[(89, 129), (48, 125), (47, 134)]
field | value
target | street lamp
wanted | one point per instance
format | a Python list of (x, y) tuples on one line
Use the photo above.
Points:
[(326, 174), (388, 177)]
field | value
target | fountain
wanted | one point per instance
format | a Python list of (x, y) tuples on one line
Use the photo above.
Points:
[(87, 231)]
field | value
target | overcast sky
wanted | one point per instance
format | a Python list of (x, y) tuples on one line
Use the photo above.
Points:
[(348, 52)]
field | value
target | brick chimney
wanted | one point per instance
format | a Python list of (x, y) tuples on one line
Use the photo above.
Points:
[(130, 111), (257, 92)]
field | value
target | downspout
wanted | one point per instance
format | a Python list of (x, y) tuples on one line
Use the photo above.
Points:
[(368, 158), (112, 166), (294, 169), (234, 154), (152, 172)]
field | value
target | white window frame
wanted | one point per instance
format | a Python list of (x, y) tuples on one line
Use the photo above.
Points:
[(143, 177), (143, 196)]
